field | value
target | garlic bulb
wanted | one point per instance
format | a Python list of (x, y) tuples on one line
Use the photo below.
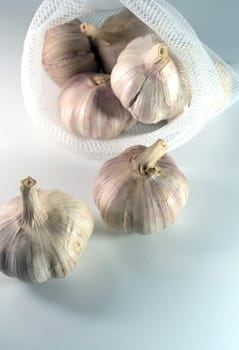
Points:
[(116, 32), (120, 21), (42, 233), (141, 190), (89, 108), (67, 52), (149, 82)]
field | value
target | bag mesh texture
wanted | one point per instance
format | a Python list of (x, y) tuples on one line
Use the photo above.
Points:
[(214, 84)]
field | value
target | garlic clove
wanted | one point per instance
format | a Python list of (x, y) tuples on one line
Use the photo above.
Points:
[(42, 233), (116, 32), (89, 108), (141, 190), (150, 82), (66, 52)]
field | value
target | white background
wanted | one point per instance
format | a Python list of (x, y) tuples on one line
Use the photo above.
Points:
[(175, 290)]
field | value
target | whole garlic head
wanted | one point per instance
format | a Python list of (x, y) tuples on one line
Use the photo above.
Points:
[(42, 233), (89, 108), (141, 190), (116, 32), (67, 52), (149, 82)]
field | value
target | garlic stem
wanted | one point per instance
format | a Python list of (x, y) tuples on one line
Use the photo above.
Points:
[(97, 33), (32, 210), (158, 54), (100, 79), (147, 160)]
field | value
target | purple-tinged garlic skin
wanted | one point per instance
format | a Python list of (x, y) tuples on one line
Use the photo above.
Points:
[(149, 83), (141, 190), (121, 21), (67, 52), (42, 233), (89, 108), (115, 33)]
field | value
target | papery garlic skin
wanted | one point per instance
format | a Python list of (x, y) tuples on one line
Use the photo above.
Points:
[(42, 233), (136, 194), (115, 33), (67, 52), (89, 108), (149, 82)]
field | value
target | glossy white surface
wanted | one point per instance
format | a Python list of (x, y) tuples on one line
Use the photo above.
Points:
[(175, 290)]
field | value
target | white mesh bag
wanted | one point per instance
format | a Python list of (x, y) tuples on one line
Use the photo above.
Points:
[(214, 84)]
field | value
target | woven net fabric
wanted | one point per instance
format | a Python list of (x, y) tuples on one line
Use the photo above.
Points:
[(214, 84)]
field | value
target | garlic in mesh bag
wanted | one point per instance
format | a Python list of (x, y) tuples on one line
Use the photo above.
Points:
[(214, 85)]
